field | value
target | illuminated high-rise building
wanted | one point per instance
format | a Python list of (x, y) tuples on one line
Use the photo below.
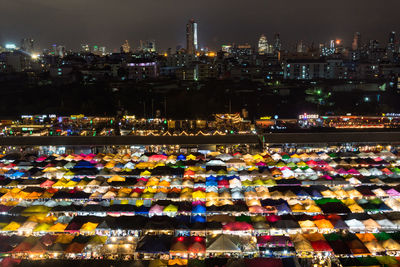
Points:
[(58, 50), (125, 48), (263, 45), (27, 45), (148, 46), (300, 47), (277, 43), (99, 50), (391, 42), (85, 48), (191, 37), (356, 45)]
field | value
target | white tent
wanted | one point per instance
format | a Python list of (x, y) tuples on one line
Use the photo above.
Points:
[(223, 244)]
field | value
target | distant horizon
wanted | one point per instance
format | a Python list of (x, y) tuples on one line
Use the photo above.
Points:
[(134, 47), (109, 24)]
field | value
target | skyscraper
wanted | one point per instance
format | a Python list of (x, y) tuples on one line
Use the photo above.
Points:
[(125, 48), (148, 46), (392, 42), (27, 45), (356, 45), (263, 45), (277, 43), (191, 37), (300, 47), (85, 48)]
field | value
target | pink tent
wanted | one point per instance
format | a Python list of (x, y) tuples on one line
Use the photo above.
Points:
[(47, 183), (237, 226), (327, 177), (257, 209), (40, 159), (156, 209), (273, 218), (392, 192), (353, 172), (198, 202), (158, 158)]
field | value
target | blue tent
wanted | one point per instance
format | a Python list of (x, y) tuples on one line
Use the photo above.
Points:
[(142, 210), (199, 209), (198, 218), (211, 183), (181, 157), (84, 164)]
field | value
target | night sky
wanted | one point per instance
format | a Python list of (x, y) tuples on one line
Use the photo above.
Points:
[(109, 22)]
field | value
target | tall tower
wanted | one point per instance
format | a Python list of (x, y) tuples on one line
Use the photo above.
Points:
[(356, 45), (125, 47), (27, 45), (391, 42), (300, 47), (277, 43), (263, 45), (191, 37)]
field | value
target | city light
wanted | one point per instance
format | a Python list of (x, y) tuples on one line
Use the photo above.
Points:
[(10, 46)]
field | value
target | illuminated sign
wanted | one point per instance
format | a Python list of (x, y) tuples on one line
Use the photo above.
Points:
[(11, 46), (80, 116), (147, 64), (391, 114), (265, 118), (306, 116)]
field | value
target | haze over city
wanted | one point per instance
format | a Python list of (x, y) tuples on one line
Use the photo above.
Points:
[(109, 23)]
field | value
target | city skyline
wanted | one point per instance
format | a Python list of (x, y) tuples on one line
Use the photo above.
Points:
[(76, 23)]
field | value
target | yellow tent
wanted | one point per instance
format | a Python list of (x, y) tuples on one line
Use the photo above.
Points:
[(145, 173), (199, 194), (12, 226), (64, 239), (116, 178), (58, 227), (42, 227), (89, 226)]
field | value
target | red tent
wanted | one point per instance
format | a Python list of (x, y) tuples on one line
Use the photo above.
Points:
[(321, 245)]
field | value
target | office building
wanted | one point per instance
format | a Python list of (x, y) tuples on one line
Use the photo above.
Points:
[(85, 48), (126, 48), (263, 45), (191, 37), (277, 43), (148, 46), (356, 45)]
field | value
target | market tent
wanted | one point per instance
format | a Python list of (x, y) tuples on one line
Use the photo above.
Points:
[(197, 247), (390, 245), (303, 246), (373, 246), (222, 244), (38, 249), (179, 246), (154, 244), (320, 245), (74, 248)]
